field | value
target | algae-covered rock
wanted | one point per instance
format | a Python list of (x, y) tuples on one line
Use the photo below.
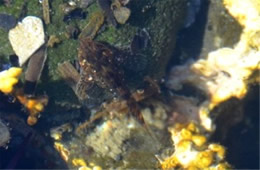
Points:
[(161, 19)]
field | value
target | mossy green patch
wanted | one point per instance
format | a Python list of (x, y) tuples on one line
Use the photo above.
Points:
[(5, 46)]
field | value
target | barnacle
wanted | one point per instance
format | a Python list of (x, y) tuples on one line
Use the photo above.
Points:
[(192, 150), (8, 79)]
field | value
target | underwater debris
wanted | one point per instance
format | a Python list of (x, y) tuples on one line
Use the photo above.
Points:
[(34, 70), (94, 24), (27, 37), (192, 150), (105, 6), (100, 64), (7, 22), (53, 40), (4, 134), (69, 74), (64, 152), (72, 31), (46, 11), (9, 78)]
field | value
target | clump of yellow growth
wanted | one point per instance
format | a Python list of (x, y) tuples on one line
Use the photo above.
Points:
[(78, 162), (224, 73), (192, 150), (34, 106), (64, 152), (8, 78)]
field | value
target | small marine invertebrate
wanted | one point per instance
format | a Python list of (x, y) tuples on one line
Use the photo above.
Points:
[(192, 149), (9, 78)]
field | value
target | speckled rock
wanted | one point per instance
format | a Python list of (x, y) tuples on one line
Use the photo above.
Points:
[(27, 37), (4, 134)]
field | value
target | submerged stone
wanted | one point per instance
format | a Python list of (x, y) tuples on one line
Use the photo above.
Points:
[(7, 22), (27, 37)]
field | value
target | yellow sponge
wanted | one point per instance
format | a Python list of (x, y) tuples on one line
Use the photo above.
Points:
[(8, 78)]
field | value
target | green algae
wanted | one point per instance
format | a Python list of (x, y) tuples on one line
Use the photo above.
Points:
[(5, 46)]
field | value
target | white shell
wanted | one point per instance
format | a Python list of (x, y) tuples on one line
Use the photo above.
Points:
[(27, 37)]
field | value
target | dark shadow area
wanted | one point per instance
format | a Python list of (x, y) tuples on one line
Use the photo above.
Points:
[(241, 137), (28, 147), (190, 40)]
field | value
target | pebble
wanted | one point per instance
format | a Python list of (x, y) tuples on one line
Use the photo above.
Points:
[(122, 14), (4, 134), (27, 37)]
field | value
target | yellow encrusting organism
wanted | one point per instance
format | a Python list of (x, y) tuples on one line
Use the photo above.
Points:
[(225, 72), (192, 151), (8, 78)]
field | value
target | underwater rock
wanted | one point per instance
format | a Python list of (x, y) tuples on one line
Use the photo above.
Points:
[(7, 22), (121, 14), (105, 6), (4, 134), (27, 37)]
